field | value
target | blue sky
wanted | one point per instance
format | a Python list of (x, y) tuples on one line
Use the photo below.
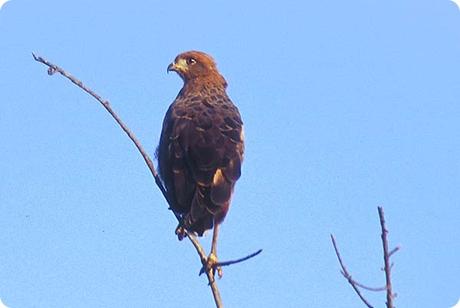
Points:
[(347, 105)]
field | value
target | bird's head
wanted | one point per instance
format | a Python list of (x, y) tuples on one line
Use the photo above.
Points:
[(195, 65)]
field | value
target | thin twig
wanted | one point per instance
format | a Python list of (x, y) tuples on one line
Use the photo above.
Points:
[(227, 263), (386, 258), (347, 275), (396, 249), (373, 289), (52, 68)]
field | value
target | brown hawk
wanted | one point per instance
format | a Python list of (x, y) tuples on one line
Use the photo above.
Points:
[(201, 146)]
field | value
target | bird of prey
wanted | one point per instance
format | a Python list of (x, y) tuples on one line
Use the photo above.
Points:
[(201, 147)]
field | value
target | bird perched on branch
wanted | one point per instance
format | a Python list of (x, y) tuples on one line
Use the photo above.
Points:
[(201, 147)]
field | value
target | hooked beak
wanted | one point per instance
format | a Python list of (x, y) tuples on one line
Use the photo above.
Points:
[(179, 66), (171, 68)]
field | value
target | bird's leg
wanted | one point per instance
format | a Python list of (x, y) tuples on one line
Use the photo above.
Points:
[(212, 258)]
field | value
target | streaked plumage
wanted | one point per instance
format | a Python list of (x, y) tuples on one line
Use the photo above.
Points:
[(201, 145)]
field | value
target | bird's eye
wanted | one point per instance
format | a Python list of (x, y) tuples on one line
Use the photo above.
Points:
[(191, 61)]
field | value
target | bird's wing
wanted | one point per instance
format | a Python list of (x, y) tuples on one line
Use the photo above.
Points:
[(205, 154)]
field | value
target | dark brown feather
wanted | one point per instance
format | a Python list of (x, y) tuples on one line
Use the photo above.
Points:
[(201, 147)]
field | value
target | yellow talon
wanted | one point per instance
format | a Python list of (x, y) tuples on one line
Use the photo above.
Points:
[(211, 265)]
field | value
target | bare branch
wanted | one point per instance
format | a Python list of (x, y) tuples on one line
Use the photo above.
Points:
[(386, 258), (347, 275), (52, 68), (387, 267)]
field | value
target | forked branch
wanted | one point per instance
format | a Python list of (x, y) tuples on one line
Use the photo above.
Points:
[(387, 267), (347, 275)]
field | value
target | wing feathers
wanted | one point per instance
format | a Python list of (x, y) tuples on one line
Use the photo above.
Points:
[(204, 143), (221, 188)]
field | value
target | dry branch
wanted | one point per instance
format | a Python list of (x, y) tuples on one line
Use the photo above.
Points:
[(386, 258), (387, 267)]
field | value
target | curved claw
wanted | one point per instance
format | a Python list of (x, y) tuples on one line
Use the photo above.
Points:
[(180, 232)]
